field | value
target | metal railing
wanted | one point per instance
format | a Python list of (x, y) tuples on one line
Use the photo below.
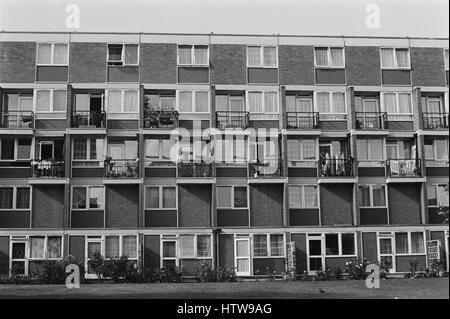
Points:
[(403, 168), (371, 120), (232, 119), (122, 168), (17, 119), (193, 170), (266, 169), (435, 121), (302, 120), (336, 167), (47, 168), (88, 119), (160, 119)]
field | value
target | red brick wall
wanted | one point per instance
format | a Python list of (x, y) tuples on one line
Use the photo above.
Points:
[(87, 62), (266, 205), (158, 62), (122, 206), (228, 64), (428, 66), (363, 65), (48, 206), (17, 62), (296, 63)]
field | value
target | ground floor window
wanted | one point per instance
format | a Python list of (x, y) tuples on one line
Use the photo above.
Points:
[(268, 245), (175, 248)]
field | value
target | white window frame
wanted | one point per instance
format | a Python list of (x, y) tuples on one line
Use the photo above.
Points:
[(302, 189), (263, 101), (369, 159), (435, 152), (391, 236), (87, 187), (195, 255), (340, 253), (122, 101), (301, 155), (16, 149), (330, 101), (446, 63), (120, 245), (52, 98), (409, 253), (88, 151), (329, 66), (261, 56), (435, 186), (160, 149), (268, 248), (192, 47), (395, 67), (45, 247), (371, 195), (194, 97), (398, 116), (160, 196), (232, 197), (52, 53), (14, 202), (123, 54)]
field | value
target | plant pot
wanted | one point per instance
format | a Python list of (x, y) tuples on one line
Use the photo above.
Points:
[(343, 276)]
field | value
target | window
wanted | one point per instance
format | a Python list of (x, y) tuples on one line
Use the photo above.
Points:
[(437, 195), (87, 197), (409, 243), (193, 101), (265, 151), (15, 149), (326, 57), (304, 196), (124, 245), (45, 247), (122, 101), (15, 197), (87, 152), (263, 102), (195, 246), (51, 100), (370, 149), (262, 57), (232, 197), (268, 245), (372, 196), (331, 105), (299, 104), (161, 197), (52, 54), (123, 149), (230, 149), (230, 103), (402, 149), (341, 244), (436, 149), (123, 54), (398, 105), (301, 150), (193, 55), (394, 58), (160, 150)]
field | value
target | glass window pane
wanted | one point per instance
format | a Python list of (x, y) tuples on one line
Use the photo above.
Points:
[(59, 101), (276, 245), (375, 149), (385, 246), (79, 149), (332, 244), (23, 198), (362, 149), (405, 106), (224, 196), (337, 57), (364, 196), (270, 56), (152, 197), (291, 103), (60, 56), (201, 55), (131, 101), (167, 149), (79, 197), (187, 248), (304, 105), (37, 247), (129, 246), (390, 103), (323, 102), (310, 196), (151, 149), (96, 149), (401, 243), (7, 149), (131, 54), (260, 245), (308, 149), (43, 101), (442, 195), (321, 55), (169, 249), (338, 102), (169, 197), (94, 247), (114, 101), (254, 56), (402, 58), (222, 103), (441, 149), (417, 243), (115, 52), (295, 197), (23, 148), (54, 247), (95, 197), (184, 54), (44, 53), (348, 244), (185, 101), (6, 197), (255, 102), (379, 195), (203, 246), (387, 58), (112, 247), (82, 102), (431, 195), (271, 102), (240, 197), (201, 102)]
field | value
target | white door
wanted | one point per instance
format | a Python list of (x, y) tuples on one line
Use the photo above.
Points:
[(242, 256), (316, 256), (92, 247)]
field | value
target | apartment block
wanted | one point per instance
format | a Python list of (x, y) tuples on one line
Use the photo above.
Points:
[(258, 153)]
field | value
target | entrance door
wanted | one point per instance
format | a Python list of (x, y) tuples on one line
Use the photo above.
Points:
[(92, 246), (19, 265), (316, 259), (242, 256)]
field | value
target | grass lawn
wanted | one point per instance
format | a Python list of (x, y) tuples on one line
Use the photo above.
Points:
[(390, 289)]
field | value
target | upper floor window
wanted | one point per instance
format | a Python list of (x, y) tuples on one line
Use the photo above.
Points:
[(370, 149), (263, 102), (446, 59), (437, 195), (161, 197), (123, 54), (88, 152), (303, 196), (230, 150), (160, 150), (395, 58), (328, 57), (331, 105), (262, 56), (88, 197), (51, 100), (193, 101), (52, 54), (122, 101), (232, 197), (436, 149), (398, 105), (12, 149), (372, 196), (301, 150), (193, 55), (15, 197)]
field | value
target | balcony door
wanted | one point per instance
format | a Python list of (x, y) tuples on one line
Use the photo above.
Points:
[(88, 102), (117, 151), (370, 105), (46, 150), (242, 260), (433, 105)]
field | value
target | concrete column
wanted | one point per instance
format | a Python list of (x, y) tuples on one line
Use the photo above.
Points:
[(212, 113), (351, 109)]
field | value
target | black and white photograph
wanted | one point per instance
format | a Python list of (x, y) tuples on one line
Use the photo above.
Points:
[(219, 156)]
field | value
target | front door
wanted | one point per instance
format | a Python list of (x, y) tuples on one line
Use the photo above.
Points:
[(92, 247), (316, 259), (19, 265), (242, 256)]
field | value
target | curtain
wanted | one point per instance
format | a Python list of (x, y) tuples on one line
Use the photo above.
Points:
[(23, 198), (308, 149), (259, 245), (224, 196), (379, 195), (152, 149), (112, 246), (323, 101), (79, 149), (404, 100), (131, 54), (295, 197), (310, 196), (44, 53), (6, 197), (222, 103), (417, 243), (152, 197), (338, 102), (201, 101), (129, 246), (254, 56), (37, 247), (271, 102), (114, 101), (304, 105), (131, 101), (390, 104), (95, 197), (169, 197), (169, 249), (321, 55), (362, 149), (385, 246), (240, 149), (255, 102), (167, 149), (276, 245), (441, 147), (187, 248), (185, 101), (59, 100), (433, 106), (23, 148), (291, 103), (203, 246), (293, 150), (401, 243), (60, 56), (131, 149), (337, 57), (387, 58), (364, 196), (375, 149), (82, 102), (54, 247), (184, 54), (270, 56), (43, 101), (201, 55), (402, 58)]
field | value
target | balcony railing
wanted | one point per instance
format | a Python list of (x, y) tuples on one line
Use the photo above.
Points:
[(371, 120), (435, 121), (265, 169), (18, 119), (403, 168), (88, 119), (302, 120), (122, 168), (47, 169), (232, 119), (336, 167), (195, 170), (160, 119)]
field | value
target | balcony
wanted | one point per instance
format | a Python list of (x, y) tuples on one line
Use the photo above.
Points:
[(18, 120), (232, 119), (88, 119), (336, 167), (47, 169), (161, 119), (403, 168), (195, 170), (302, 120), (267, 169), (433, 121), (122, 168), (371, 120)]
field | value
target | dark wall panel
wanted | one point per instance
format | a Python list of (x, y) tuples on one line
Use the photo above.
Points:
[(304, 217), (48, 206), (330, 76), (152, 251), (262, 75), (158, 218), (336, 204), (373, 216), (193, 75), (369, 246), (266, 205), (404, 203), (232, 217), (267, 266), (396, 77), (52, 73), (296, 64), (87, 219), (77, 247), (226, 251), (300, 252), (194, 204), (123, 74), (122, 208), (4, 255), (15, 219)]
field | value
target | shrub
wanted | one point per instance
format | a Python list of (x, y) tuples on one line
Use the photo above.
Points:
[(96, 263), (385, 267), (356, 270), (206, 274), (435, 269), (413, 265), (54, 271)]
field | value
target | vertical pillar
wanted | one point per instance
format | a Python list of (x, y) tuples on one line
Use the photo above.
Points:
[(212, 119)]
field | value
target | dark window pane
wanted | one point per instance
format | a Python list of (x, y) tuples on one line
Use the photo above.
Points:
[(332, 244), (115, 53), (315, 247), (23, 198), (7, 149), (240, 197), (23, 149), (18, 251), (348, 244), (6, 197)]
